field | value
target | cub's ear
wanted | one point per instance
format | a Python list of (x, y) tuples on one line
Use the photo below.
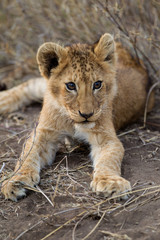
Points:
[(49, 56), (105, 49)]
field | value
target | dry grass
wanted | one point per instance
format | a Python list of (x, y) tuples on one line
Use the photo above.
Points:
[(139, 27), (87, 203)]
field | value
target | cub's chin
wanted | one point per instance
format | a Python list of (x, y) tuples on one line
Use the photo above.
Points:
[(85, 125)]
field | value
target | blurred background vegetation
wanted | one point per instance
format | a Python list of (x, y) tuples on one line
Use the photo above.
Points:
[(26, 24)]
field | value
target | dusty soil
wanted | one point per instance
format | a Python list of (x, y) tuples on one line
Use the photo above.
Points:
[(72, 211)]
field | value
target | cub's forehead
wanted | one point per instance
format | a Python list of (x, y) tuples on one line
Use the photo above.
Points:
[(81, 55)]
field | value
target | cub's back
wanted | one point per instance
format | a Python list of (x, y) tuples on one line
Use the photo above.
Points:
[(133, 84)]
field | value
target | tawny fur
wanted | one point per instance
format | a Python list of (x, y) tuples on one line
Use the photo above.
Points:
[(119, 100)]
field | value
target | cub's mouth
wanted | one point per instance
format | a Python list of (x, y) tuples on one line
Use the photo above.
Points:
[(85, 121)]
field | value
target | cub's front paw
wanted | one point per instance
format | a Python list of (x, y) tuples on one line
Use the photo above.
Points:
[(111, 186), (15, 187)]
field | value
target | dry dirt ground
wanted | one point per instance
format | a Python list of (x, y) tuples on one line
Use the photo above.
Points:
[(63, 207)]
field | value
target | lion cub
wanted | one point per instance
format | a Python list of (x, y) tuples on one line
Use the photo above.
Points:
[(92, 90)]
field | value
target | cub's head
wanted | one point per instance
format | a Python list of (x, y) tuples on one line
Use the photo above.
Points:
[(81, 78)]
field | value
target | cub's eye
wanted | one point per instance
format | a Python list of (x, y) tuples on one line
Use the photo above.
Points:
[(97, 85), (71, 86)]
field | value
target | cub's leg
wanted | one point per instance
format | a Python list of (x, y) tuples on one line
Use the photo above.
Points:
[(107, 154), (40, 150), (22, 95)]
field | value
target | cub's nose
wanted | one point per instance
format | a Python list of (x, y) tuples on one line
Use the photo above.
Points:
[(86, 115)]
